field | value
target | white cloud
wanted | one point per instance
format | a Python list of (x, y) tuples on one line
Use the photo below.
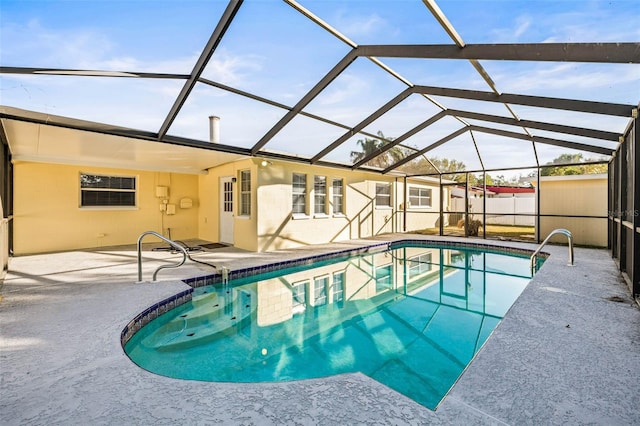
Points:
[(515, 31), (78, 47), (347, 86), (84, 48), (359, 26), (569, 77), (522, 25), (226, 68)]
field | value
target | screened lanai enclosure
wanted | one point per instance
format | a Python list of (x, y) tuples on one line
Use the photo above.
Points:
[(526, 115)]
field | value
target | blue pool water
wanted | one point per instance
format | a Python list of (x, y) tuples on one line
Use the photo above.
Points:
[(411, 318)]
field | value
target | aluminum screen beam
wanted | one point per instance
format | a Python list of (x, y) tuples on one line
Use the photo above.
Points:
[(201, 63), (401, 138), (448, 27), (444, 22), (548, 141), (428, 148), (90, 73), (605, 108), (558, 128), (364, 123), (612, 53), (315, 91), (277, 104)]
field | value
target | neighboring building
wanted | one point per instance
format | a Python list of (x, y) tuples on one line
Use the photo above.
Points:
[(252, 204), (566, 195), (474, 192), (495, 191)]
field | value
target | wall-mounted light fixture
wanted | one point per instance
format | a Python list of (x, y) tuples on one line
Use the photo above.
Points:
[(266, 163)]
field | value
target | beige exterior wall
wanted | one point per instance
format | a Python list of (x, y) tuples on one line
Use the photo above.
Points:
[(48, 217), (584, 195), (277, 228), (244, 228)]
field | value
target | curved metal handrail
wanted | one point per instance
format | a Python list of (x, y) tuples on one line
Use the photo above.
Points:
[(171, 243), (546, 240)]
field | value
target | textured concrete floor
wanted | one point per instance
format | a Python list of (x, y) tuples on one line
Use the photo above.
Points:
[(568, 352)]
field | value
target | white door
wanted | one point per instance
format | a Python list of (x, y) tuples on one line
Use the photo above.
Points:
[(226, 210)]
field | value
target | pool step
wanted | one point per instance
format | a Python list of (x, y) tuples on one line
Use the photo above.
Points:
[(212, 316)]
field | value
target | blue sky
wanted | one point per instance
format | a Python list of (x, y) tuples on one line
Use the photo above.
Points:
[(273, 51)]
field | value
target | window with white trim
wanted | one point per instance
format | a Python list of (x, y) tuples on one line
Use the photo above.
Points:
[(384, 278), (245, 192), (420, 197), (419, 265), (107, 191), (320, 194), (227, 194), (320, 285), (299, 296), (337, 287), (299, 186), (383, 194), (338, 196)]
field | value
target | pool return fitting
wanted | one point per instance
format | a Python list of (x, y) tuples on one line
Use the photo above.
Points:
[(178, 247), (546, 240)]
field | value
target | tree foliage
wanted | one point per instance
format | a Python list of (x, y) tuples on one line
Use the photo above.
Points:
[(454, 169), (370, 146), (573, 169)]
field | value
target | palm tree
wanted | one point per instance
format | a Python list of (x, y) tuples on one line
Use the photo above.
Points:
[(371, 146)]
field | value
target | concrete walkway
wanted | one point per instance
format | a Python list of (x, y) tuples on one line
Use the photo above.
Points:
[(568, 352)]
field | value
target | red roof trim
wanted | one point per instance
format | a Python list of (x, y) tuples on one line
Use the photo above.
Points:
[(510, 190)]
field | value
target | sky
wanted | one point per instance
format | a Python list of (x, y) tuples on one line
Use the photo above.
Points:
[(273, 51)]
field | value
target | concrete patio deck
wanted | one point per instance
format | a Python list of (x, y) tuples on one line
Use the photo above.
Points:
[(568, 352)]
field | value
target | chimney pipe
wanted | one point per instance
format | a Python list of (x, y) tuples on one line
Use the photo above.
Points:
[(214, 129)]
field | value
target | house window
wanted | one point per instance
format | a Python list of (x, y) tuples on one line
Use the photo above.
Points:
[(299, 193), (320, 291), (338, 196), (337, 288), (245, 193), (383, 194), (299, 296), (418, 265), (107, 191), (383, 278), (320, 194), (420, 197), (228, 196)]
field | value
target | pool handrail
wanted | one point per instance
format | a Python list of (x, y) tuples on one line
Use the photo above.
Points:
[(170, 242), (181, 248), (546, 240)]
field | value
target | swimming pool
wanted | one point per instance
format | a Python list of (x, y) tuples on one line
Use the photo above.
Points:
[(411, 317)]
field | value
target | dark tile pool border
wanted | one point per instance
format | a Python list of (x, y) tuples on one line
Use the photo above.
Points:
[(169, 303), (152, 312)]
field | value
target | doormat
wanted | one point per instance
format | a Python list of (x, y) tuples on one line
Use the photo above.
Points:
[(212, 246)]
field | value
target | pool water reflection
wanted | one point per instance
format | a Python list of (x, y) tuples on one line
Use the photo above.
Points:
[(411, 318)]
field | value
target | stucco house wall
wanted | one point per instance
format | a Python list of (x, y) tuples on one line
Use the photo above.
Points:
[(48, 216), (278, 228)]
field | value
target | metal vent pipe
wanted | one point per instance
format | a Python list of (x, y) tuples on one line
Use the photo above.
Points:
[(214, 129)]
